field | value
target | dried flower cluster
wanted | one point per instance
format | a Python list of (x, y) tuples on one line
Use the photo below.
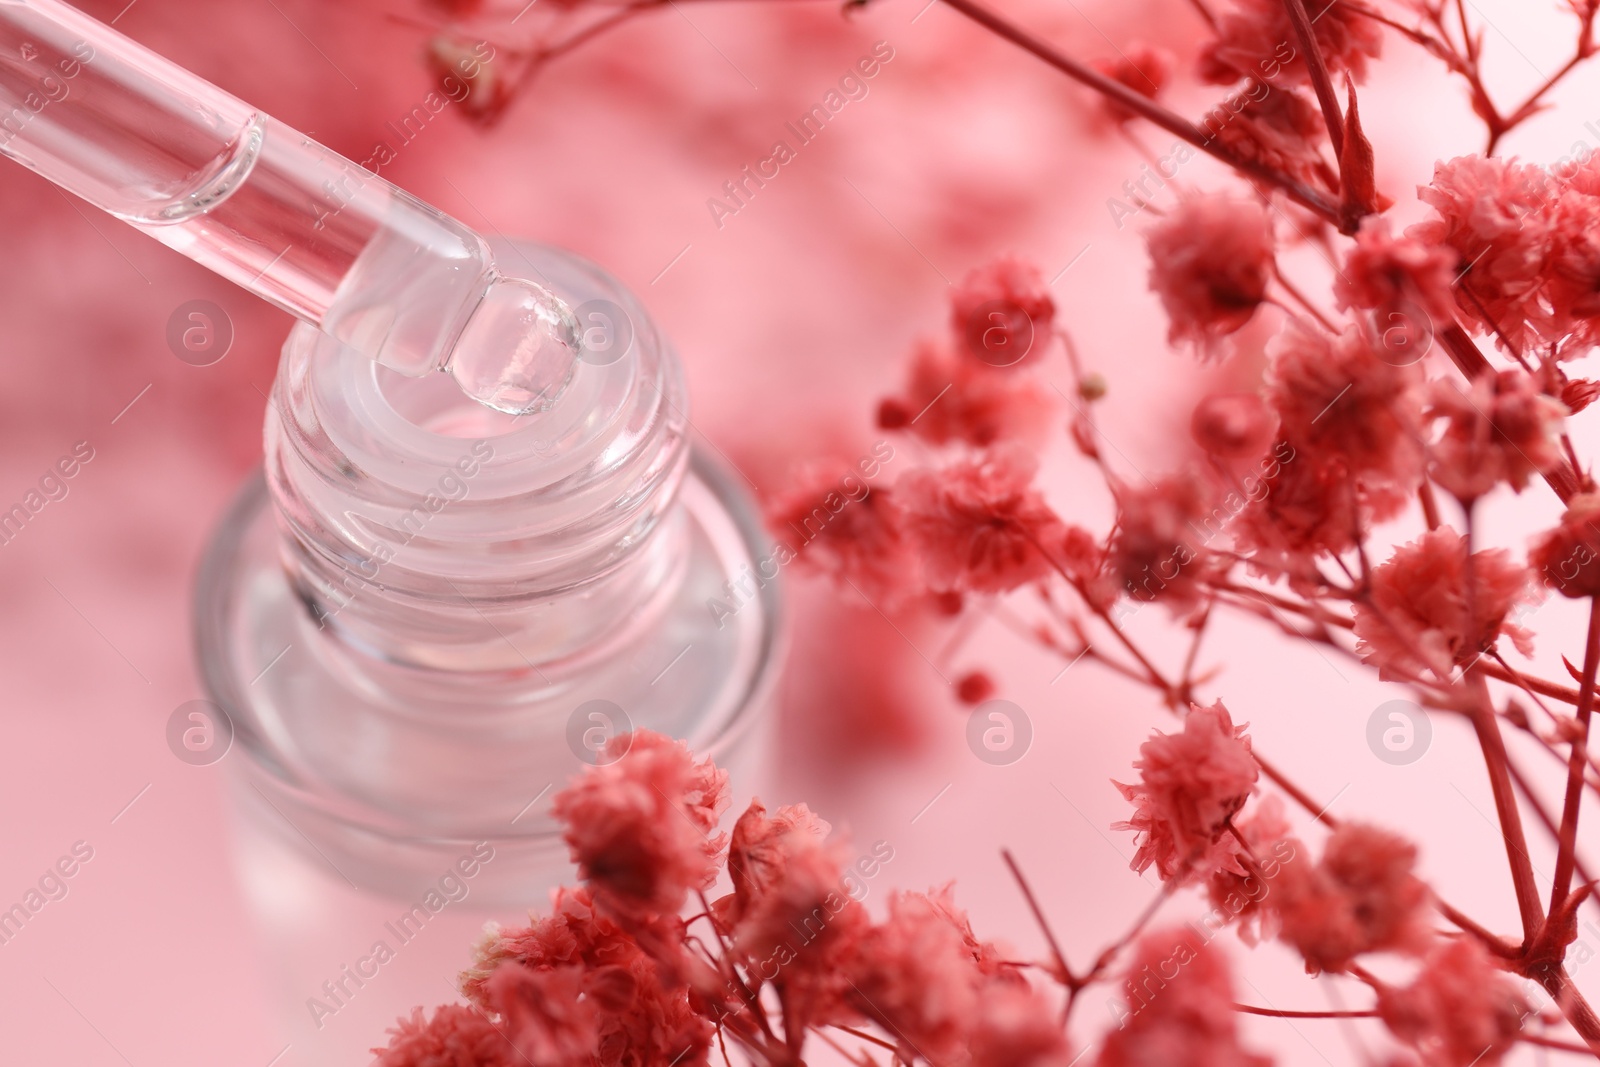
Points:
[(1442, 387), (614, 975)]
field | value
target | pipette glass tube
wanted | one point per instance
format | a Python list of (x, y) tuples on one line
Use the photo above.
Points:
[(272, 210)]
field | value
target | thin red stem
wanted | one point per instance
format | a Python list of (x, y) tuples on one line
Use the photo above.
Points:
[(1565, 694), (1146, 108), (1529, 107), (1531, 798), (1295, 792), (1320, 81), (1574, 1008), (1577, 767), (1430, 505), (1277, 1013), (1205, 13), (1111, 951), (1487, 727), (862, 1035), (1038, 915), (1300, 297)]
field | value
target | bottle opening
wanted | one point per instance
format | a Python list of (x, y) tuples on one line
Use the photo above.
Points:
[(434, 404)]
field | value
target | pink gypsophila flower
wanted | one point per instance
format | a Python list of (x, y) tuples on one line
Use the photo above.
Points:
[(985, 955), (1084, 560), (1179, 1009), (791, 917), (525, 945), (1157, 551), (1281, 130), (1337, 399), (573, 933), (920, 974), (1256, 40), (450, 57), (1307, 512), (1210, 261), (1233, 425), (642, 1010), (1460, 1010), (640, 828), (1191, 785), (1416, 620), (1395, 277), (1501, 429), (1494, 214), (1572, 276), (1362, 897), (1308, 509), (1141, 67), (979, 524), (1567, 558), (833, 522), (951, 397), (1239, 891), (1017, 1028), (456, 1036), (1002, 312), (546, 1015), (760, 852)]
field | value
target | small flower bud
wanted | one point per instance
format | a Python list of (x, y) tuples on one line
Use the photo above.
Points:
[(1083, 437), (975, 688), (892, 415), (1579, 393), (1232, 425)]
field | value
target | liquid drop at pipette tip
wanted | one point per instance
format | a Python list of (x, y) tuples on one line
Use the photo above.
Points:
[(519, 349)]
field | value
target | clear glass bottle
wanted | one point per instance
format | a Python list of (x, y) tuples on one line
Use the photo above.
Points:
[(428, 615)]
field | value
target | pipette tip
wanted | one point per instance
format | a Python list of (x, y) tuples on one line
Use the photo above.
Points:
[(518, 350)]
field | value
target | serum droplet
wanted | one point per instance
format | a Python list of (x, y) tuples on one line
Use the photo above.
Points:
[(518, 350)]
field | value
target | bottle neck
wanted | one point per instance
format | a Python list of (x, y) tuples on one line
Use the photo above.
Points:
[(426, 531)]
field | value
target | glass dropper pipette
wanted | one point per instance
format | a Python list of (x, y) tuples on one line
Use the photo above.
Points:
[(273, 211)]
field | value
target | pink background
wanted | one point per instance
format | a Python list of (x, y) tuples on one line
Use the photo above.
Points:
[(184, 942)]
